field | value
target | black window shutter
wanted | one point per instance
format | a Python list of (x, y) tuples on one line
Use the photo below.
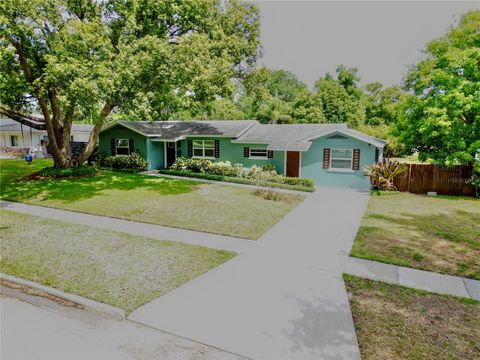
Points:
[(326, 158), (130, 146), (246, 152), (356, 159), (217, 148), (190, 148), (270, 154), (114, 150)]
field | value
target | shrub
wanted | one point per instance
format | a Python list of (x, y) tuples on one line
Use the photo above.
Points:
[(269, 167), (52, 172), (206, 166), (253, 175), (236, 180), (382, 174), (132, 162), (299, 181), (269, 194)]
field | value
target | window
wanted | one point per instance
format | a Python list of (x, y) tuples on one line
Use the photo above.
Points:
[(13, 140), (122, 147), (341, 159), (258, 153), (71, 138), (203, 149)]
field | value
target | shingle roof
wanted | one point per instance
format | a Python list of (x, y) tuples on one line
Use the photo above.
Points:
[(14, 126), (298, 137), (294, 137), (170, 130), (288, 136)]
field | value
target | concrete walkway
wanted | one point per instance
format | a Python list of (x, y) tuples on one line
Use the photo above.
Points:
[(284, 299), (135, 228), (413, 278)]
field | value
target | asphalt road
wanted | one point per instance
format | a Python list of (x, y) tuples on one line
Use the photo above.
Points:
[(33, 327)]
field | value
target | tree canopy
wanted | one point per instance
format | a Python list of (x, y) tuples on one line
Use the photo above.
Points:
[(442, 120), (143, 59)]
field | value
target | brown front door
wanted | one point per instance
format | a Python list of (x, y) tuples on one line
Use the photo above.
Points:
[(293, 163)]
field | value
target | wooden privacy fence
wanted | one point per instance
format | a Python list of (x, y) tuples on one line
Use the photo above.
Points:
[(420, 178)]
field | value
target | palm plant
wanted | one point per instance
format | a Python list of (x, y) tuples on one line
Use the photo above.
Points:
[(382, 174)]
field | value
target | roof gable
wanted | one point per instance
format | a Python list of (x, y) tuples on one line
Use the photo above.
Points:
[(176, 130)]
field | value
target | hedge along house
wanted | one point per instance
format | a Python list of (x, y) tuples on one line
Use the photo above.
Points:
[(330, 154)]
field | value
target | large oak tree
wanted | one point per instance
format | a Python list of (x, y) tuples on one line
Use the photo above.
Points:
[(442, 121), (86, 61)]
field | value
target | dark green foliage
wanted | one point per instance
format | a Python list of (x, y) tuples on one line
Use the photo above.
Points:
[(269, 167), (132, 162), (442, 120), (299, 182), (53, 172)]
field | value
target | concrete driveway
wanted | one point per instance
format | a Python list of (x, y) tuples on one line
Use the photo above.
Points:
[(284, 299)]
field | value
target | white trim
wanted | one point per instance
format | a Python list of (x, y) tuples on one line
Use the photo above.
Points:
[(17, 140), (341, 169), (251, 142), (192, 137), (380, 154), (119, 122), (165, 154), (285, 162), (257, 157), (300, 164), (351, 133), (203, 149), (204, 157), (122, 147), (349, 171)]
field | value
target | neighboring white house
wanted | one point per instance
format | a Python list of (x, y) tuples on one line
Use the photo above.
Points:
[(17, 136)]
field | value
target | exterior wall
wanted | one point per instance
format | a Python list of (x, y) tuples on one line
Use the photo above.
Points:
[(25, 143), (36, 138), (312, 164), (156, 154), (119, 132), (80, 136), (234, 153)]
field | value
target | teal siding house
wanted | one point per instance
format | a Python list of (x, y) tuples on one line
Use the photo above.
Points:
[(330, 154)]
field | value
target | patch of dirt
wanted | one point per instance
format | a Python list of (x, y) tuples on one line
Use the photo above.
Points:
[(37, 177), (34, 292), (393, 322)]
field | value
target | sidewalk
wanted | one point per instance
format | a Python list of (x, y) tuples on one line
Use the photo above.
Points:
[(153, 231), (413, 278)]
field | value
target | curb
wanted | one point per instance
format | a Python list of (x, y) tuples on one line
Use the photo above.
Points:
[(77, 299)]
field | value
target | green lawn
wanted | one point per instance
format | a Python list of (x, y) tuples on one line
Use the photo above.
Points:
[(393, 322), (111, 267), (179, 203), (439, 234)]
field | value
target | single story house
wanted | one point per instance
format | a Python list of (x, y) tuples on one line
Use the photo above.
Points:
[(330, 154), (13, 135)]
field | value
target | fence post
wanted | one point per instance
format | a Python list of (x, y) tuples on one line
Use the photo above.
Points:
[(409, 176)]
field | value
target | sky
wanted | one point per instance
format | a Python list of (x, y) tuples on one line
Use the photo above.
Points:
[(380, 38)]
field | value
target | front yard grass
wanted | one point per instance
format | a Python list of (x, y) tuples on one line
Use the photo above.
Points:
[(111, 267), (394, 322), (185, 204), (440, 234)]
